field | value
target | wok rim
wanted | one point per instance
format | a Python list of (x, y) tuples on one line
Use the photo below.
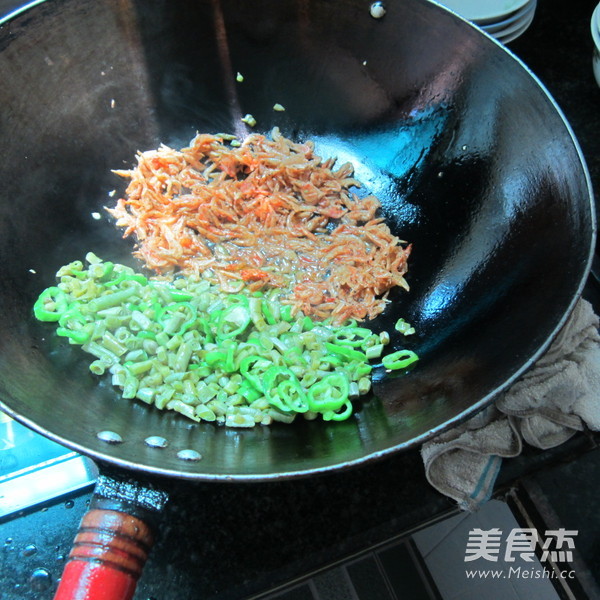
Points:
[(176, 474)]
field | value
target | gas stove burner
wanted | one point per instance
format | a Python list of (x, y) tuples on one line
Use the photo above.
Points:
[(34, 470)]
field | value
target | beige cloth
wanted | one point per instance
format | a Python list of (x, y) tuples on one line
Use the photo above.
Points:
[(554, 399)]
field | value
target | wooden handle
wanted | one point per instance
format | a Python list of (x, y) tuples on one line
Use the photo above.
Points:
[(107, 558), (113, 542)]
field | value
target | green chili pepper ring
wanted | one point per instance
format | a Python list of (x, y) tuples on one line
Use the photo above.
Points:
[(399, 360)]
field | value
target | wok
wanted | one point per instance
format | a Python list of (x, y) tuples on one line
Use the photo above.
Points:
[(473, 161)]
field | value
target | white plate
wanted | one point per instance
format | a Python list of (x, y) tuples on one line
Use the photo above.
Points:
[(518, 27), (514, 20), (484, 11), (514, 34), (596, 65), (595, 26)]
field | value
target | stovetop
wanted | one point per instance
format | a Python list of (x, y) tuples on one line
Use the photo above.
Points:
[(34, 470)]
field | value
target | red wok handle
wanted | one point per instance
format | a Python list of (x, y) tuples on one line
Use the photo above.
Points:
[(113, 542)]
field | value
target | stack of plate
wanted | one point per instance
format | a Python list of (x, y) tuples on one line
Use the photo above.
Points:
[(595, 26), (504, 19)]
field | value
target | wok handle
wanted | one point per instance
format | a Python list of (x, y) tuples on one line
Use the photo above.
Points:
[(110, 549), (107, 557)]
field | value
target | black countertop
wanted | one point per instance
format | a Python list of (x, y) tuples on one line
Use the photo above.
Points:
[(230, 541)]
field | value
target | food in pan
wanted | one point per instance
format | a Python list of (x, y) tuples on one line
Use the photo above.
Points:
[(270, 213), (238, 359), (265, 262)]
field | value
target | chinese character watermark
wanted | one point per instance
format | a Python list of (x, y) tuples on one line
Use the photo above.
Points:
[(483, 544), (561, 538), (521, 542), (556, 546)]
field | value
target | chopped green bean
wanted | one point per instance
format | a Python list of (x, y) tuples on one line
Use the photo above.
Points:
[(403, 327), (231, 358)]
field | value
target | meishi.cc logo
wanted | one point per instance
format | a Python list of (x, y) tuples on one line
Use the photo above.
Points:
[(487, 544)]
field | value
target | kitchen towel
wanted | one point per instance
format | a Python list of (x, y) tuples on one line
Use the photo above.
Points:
[(557, 397)]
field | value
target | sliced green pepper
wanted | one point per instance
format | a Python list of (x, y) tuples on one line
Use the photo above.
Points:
[(399, 360), (233, 321), (78, 336), (249, 392), (55, 297), (307, 324), (252, 367), (229, 364), (178, 317), (329, 394), (294, 356), (71, 324), (283, 390), (72, 315), (108, 268), (215, 358), (352, 336), (141, 279), (286, 313), (268, 313), (146, 335), (292, 394), (339, 415), (362, 369), (346, 352), (176, 295)]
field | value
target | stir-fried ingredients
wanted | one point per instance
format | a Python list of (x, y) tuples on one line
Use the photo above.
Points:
[(268, 214), (238, 359), (265, 259)]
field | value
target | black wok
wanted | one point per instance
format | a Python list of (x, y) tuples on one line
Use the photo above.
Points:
[(470, 156)]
